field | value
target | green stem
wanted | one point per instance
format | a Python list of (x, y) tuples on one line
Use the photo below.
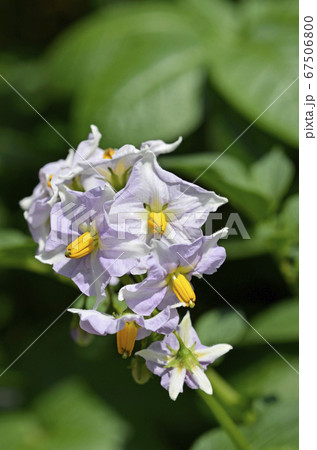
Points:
[(178, 337), (139, 278), (131, 279), (225, 421), (110, 293), (225, 391)]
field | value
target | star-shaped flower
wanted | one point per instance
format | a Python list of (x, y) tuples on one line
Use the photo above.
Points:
[(156, 204), (83, 246), (181, 358), (170, 269)]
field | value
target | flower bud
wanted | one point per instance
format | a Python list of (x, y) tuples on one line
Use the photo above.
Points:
[(140, 373), (81, 337)]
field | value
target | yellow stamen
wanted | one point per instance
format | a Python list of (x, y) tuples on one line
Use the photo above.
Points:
[(49, 184), (157, 222), (126, 339), (183, 290), (81, 246), (109, 152)]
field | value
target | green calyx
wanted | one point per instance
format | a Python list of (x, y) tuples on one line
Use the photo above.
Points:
[(76, 184), (119, 181), (149, 208), (184, 356)]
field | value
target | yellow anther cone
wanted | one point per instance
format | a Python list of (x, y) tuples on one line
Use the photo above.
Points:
[(126, 339), (183, 290), (81, 246), (157, 222), (108, 154)]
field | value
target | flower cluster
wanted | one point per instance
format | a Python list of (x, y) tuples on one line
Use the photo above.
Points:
[(128, 233)]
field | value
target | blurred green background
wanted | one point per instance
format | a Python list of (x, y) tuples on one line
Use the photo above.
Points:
[(203, 69)]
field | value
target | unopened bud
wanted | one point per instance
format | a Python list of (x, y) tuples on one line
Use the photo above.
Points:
[(140, 372), (78, 335)]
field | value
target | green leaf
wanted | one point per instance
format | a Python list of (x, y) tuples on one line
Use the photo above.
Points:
[(21, 431), (78, 420), (11, 239), (245, 248), (219, 326), (276, 429), (137, 71), (273, 175), (68, 416), (93, 45), (17, 251), (215, 439), (254, 58), (162, 100), (278, 324), (279, 234), (289, 217), (268, 376)]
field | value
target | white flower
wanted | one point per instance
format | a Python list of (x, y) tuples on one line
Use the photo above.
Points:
[(181, 358)]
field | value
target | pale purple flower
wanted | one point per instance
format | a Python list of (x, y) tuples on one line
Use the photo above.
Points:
[(100, 255), (176, 367), (88, 150), (156, 204), (38, 206), (96, 322), (115, 170), (77, 171), (170, 267), (159, 147)]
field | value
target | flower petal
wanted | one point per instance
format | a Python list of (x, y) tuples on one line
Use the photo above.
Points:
[(159, 147), (212, 255), (153, 356), (143, 297), (95, 322), (210, 354), (201, 379), (164, 322), (185, 330), (176, 382)]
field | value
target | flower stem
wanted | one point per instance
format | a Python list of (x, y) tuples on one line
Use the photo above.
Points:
[(178, 338), (110, 293), (225, 391), (225, 421)]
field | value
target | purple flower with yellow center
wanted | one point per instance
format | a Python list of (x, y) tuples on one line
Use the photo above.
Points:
[(82, 246), (115, 165), (128, 327), (170, 269), (181, 358), (77, 172), (156, 204), (38, 206)]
